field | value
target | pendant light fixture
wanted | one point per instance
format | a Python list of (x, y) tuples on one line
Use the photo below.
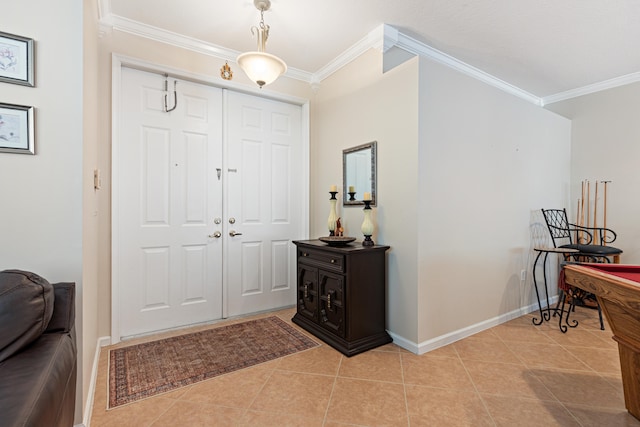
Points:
[(261, 67)]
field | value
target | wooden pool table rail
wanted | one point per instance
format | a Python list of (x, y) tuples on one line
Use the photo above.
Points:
[(620, 302)]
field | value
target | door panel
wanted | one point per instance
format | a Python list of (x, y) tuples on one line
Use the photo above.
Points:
[(170, 270), (264, 191), (174, 174), (308, 291), (332, 302)]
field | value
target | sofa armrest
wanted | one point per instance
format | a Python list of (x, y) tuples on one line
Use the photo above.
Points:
[(64, 313)]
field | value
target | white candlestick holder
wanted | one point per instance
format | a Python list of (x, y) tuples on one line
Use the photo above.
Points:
[(333, 216), (367, 225)]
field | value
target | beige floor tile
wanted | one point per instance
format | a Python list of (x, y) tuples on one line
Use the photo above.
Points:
[(506, 379), (440, 372), (367, 403), (305, 395), (603, 360), (445, 351), (487, 334), (140, 414), (592, 416), (485, 350), (525, 321), (537, 355), (194, 414), (606, 336), (429, 406), (615, 379), (372, 365), (320, 360), (330, 423), (580, 337), (237, 389), (521, 333), (522, 412), (582, 388), (270, 419), (318, 388)]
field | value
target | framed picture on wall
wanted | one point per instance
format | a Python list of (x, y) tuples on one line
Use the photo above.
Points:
[(16, 59), (16, 129)]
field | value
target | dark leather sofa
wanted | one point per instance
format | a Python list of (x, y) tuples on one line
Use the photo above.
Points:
[(38, 353)]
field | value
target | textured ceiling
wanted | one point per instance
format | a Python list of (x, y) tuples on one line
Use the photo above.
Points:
[(543, 47)]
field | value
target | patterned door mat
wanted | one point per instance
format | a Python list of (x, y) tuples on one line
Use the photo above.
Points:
[(149, 369)]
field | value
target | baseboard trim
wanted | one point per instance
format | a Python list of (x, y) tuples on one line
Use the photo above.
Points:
[(88, 408), (446, 339)]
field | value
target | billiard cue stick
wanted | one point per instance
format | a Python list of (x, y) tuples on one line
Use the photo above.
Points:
[(595, 212), (588, 211), (604, 243), (581, 223), (578, 220)]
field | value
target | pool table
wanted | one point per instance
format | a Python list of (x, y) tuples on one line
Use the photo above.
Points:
[(617, 287)]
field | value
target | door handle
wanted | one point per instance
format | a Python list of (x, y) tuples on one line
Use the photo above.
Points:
[(233, 233), (217, 235)]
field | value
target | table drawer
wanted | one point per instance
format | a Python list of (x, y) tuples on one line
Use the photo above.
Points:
[(328, 260)]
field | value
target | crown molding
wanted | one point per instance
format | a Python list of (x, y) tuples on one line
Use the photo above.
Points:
[(373, 40), (110, 22), (382, 38), (596, 87), (385, 37), (412, 45)]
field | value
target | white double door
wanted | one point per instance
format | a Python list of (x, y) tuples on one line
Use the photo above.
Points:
[(207, 199)]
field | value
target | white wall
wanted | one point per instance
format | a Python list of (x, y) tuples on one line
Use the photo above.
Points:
[(606, 147), (487, 161), (463, 168), (90, 202), (359, 104), (41, 195)]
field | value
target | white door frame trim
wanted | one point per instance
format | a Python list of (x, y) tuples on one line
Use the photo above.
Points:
[(119, 61)]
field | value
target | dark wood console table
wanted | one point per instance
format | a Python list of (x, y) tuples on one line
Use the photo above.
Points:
[(341, 294)]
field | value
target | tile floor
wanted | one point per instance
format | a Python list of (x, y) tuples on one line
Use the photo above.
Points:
[(514, 374)]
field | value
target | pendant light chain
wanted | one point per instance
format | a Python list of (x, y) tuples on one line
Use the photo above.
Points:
[(261, 67), (263, 33)]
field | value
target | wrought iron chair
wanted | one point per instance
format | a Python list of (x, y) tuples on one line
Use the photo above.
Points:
[(561, 230)]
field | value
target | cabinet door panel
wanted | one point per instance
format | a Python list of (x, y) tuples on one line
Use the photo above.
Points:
[(332, 308), (308, 292)]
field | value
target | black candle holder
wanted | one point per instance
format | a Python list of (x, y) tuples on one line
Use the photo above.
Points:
[(352, 196)]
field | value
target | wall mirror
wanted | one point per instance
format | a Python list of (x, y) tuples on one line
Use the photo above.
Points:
[(359, 174)]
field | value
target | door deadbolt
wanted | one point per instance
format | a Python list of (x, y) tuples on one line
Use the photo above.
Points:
[(232, 220), (217, 221)]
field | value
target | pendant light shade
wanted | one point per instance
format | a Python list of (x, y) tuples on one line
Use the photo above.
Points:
[(261, 67)]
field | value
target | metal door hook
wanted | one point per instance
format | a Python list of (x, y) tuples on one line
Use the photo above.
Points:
[(166, 91)]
